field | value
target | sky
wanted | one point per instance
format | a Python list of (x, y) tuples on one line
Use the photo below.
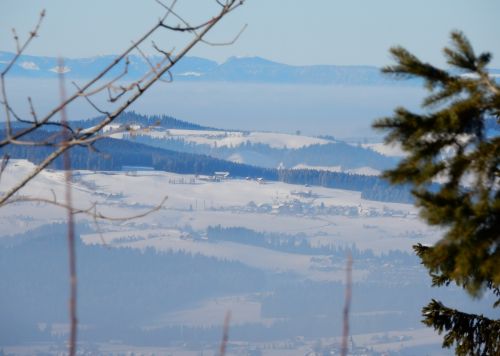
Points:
[(342, 32), (338, 32)]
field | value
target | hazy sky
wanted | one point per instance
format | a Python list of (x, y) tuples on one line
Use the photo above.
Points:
[(289, 31)]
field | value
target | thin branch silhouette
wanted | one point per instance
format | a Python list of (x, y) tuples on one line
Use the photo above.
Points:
[(135, 91), (120, 97), (90, 211), (71, 226), (347, 305), (225, 334)]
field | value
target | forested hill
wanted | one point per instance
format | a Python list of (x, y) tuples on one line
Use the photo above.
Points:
[(262, 149), (130, 118), (113, 155)]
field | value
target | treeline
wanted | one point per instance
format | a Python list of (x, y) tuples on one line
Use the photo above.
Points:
[(371, 188), (122, 290), (331, 154), (381, 190), (299, 243), (127, 118), (117, 286), (112, 155), (145, 121)]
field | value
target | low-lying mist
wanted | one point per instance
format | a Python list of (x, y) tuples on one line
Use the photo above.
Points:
[(340, 111)]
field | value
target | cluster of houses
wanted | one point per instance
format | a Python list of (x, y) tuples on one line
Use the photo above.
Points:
[(113, 128)]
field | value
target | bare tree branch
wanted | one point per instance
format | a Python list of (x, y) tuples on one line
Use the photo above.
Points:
[(67, 138), (168, 55), (71, 224), (208, 25), (88, 136), (225, 334), (108, 84), (3, 165), (230, 6), (32, 110), (87, 98), (19, 51), (90, 211), (347, 304)]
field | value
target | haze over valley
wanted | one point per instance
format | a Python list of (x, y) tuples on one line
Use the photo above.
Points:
[(258, 223), (249, 178)]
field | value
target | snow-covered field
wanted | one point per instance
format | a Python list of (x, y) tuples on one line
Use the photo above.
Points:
[(244, 309), (233, 138), (366, 171), (195, 203), (249, 147), (393, 341), (325, 216)]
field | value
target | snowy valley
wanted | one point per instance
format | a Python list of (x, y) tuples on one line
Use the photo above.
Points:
[(272, 253), (258, 224)]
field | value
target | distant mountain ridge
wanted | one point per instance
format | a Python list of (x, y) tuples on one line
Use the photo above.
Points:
[(130, 118), (115, 154), (197, 69), (235, 69), (133, 118), (255, 148), (48, 67)]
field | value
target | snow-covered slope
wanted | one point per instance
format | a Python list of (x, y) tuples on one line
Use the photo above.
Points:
[(233, 138), (325, 216), (263, 149), (366, 171), (385, 149)]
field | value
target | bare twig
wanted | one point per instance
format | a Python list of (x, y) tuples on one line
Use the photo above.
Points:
[(226, 43), (87, 98), (5, 162), (32, 110), (70, 138), (225, 334), (90, 211), (71, 225), (44, 164), (168, 55), (154, 67), (87, 136), (229, 7), (16, 39), (347, 305), (19, 51), (108, 84)]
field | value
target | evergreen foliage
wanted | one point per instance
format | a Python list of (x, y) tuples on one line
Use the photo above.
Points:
[(449, 142), (133, 118)]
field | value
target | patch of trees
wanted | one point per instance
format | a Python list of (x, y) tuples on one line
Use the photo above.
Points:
[(145, 121), (371, 188), (118, 286), (331, 154), (297, 243), (112, 154)]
